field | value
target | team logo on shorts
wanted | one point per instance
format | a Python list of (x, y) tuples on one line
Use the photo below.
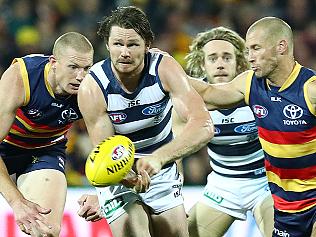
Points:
[(35, 159)]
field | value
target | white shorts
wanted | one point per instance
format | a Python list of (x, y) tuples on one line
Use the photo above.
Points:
[(234, 196), (164, 193)]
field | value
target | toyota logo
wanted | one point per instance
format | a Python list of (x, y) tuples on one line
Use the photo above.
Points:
[(293, 111)]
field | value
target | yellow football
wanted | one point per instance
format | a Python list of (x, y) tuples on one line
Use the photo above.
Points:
[(110, 161)]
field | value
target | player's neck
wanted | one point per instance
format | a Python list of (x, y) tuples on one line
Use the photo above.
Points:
[(129, 81), (53, 86), (282, 72)]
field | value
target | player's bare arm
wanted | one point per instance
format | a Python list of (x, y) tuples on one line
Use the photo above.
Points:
[(222, 95), (311, 91), (12, 96), (93, 108), (191, 109)]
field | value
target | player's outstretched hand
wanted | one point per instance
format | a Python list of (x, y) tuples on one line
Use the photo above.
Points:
[(89, 208), (29, 216)]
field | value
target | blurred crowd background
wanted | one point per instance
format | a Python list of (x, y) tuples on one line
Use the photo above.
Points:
[(31, 26)]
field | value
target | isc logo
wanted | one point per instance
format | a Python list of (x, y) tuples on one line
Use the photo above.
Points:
[(133, 103)]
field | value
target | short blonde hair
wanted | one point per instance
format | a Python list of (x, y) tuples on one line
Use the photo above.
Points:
[(73, 40)]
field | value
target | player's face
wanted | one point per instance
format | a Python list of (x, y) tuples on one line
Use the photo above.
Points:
[(127, 50), (261, 52), (71, 68), (219, 61)]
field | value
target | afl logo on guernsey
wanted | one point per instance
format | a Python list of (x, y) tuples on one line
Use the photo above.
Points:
[(260, 111), (117, 117)]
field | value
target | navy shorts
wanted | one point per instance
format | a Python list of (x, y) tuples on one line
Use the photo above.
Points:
[(20, 161), (294, 224)]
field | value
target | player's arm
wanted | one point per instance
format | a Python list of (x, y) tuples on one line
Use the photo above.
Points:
[(11, 98), (190, 107), (311, 91), (177, 128), (93, 107), (222, 95)]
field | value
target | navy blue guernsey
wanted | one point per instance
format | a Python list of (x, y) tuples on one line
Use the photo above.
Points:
[(287, 131), (43, 120)]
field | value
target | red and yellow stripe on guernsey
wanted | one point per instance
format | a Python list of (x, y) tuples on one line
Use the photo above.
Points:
[(288, 144), (31, 144), (38, 128), (32, 131), (292, 180), (293, 206)]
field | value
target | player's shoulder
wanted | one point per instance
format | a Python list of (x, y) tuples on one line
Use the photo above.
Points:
[(244, 75), (97, 66)]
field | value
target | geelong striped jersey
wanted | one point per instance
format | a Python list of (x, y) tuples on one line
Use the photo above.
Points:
[(143, 115), (287, 130), (235, 150), (43, 120)]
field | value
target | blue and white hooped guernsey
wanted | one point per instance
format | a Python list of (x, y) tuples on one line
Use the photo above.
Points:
[(143, 115), (235, 150)]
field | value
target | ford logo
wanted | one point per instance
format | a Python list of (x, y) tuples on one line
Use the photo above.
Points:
[(246, 128), (154, 109), (216, 131)]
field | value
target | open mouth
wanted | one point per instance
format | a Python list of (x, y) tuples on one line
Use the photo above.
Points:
[(75, 85)]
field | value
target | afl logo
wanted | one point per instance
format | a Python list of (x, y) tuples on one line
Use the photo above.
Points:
[(118, 152), (293, 111), (117, 117), (260, 111)]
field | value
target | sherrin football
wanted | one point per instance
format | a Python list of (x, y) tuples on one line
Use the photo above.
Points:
[(110, 161)]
